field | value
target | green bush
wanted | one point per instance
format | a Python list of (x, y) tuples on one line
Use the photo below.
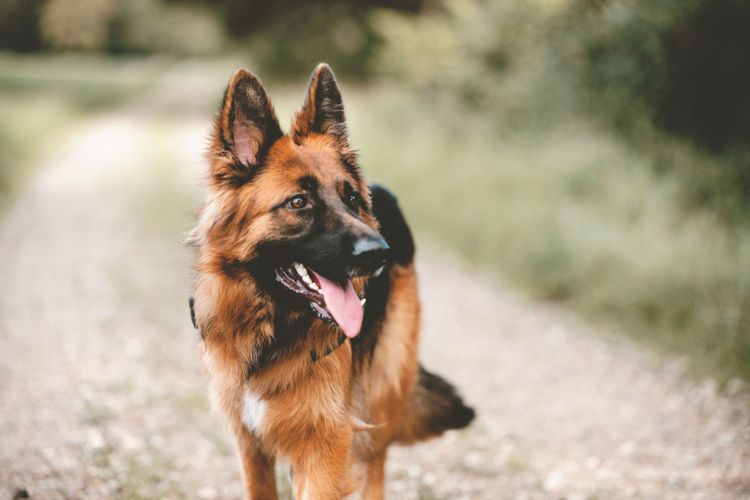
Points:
[(677, 68), (628, 64), (684, 62)]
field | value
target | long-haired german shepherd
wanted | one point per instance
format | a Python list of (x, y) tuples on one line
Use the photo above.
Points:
[(306, 300)]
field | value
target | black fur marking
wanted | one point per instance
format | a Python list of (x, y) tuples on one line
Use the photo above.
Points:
[(289, 330), (377, 292), (242, 176), (191, 302), (352, 168), (329, 106), (235, 269), (396, 232), (224, 143), (308, 183), (314, 354), (393, 226)]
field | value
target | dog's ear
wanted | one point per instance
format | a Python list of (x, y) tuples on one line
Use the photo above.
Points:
[(323, 110), (246, 127)]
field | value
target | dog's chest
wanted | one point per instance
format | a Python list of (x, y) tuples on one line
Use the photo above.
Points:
[(253, 411)]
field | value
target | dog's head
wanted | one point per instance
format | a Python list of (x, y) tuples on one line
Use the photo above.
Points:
[(291, 210)]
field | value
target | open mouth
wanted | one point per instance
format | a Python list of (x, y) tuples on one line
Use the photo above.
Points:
[(330, 300)]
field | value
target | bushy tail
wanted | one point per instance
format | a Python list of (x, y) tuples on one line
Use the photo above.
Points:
[(434, 408)]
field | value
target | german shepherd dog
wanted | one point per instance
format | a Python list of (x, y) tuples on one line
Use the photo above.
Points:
[(306, 301)]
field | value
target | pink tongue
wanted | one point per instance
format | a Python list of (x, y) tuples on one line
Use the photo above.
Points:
[(343, 304)]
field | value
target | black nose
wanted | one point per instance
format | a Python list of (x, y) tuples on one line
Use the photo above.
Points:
[(370, 252)]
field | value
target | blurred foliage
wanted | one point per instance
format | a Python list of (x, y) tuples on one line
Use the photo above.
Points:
[(286, 37), (154, 26), (686, 62), (244, 17), (72, 24), (19, 24), (292, 44), (289, 37), (670, 75), (135, 26)]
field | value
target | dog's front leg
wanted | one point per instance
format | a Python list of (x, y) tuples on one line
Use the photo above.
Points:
[(323, 473), (257, 467), (375, 480)]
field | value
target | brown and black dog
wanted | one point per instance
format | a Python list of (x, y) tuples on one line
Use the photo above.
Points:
[(306, 300)]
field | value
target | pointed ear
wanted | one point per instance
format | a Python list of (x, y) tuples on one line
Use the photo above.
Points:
[(247, 125), (323, 110)]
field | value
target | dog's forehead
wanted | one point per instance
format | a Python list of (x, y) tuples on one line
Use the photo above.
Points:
[(315, 157)]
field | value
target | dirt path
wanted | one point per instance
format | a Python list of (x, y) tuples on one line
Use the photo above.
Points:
[(101, 394)]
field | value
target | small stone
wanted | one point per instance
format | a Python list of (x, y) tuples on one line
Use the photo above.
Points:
[(592, 462), (576, 496), (473, 460), (627, 449), (94, 440), (414, 471), (207, 493), (554, 482)]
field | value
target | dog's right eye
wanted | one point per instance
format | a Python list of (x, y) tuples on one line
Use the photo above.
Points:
[(298, 202)]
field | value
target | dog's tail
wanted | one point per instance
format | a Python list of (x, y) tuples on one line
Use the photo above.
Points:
[(434, 408)]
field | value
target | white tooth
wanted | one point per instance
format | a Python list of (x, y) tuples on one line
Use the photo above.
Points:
[(378, 271), (300, 269), (363, 301), (314, 286), (306, 279)]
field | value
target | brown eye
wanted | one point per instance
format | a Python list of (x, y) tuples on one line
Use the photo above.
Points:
[(353, 201), (297, 202)]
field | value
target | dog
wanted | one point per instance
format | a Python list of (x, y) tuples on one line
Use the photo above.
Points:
[(306, 300)]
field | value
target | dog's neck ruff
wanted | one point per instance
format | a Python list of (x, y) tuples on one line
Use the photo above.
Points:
[(314, 356)]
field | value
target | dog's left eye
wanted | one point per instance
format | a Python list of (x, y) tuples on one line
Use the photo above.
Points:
[(298, 202), (353, 201)]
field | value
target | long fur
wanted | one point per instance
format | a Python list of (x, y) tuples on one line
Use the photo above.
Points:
[(286, 383)]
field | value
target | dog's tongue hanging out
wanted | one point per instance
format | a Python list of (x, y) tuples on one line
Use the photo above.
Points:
[(343, 304)]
